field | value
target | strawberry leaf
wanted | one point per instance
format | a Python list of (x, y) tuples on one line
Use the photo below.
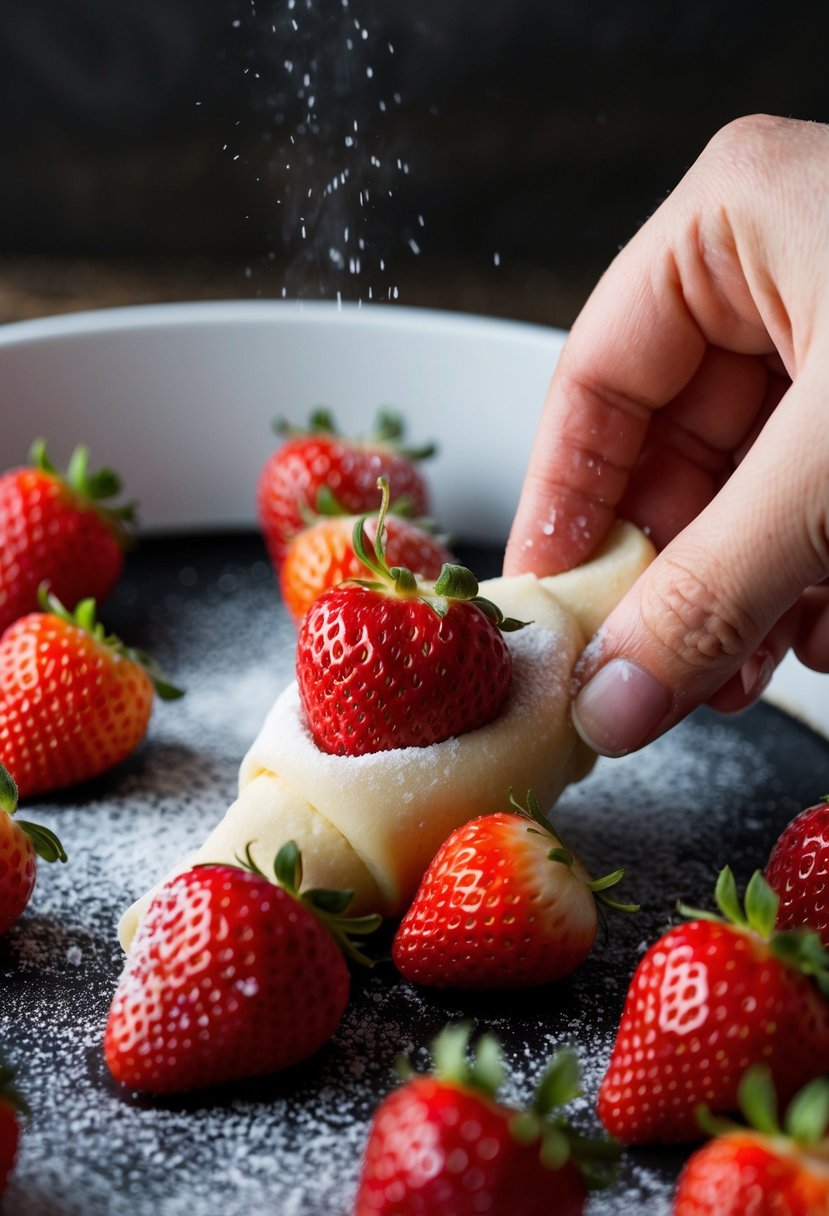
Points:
[(326, 504), (327, 904), (807, 1116), (84, 617), (93, 487), (47, 845), (761, 904), (390, 428), (555, 1148), (450, 1052), (39, 459), (287, 867), (404, 581), (8, 791), (803, 950), (728, 899), (326, 899), (456, 583), (320, 422), (8, 1090), (758, 1100), (560, 1083)]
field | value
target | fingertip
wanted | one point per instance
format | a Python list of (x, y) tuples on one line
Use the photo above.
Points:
[(621, 708)]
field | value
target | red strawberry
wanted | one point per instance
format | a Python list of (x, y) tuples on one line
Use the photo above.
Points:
[(230, 976), (73, 701), (710, 998), (11, 1108), (502, 905), (317, 466), (798, 870), (396, 662), (21, 844), (321, 556), (763, 1169), (443, 1144), (54, 529)]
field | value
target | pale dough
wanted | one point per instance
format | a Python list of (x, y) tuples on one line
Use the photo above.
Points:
[(373, 823)]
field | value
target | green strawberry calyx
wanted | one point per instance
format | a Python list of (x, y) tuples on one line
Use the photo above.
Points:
[(91, 488), (481, 1069), (388, 432), (560, 853), (806, 1120), (327, 904), (800, 948), (85, 617), (328, 507), (46, 844), (454, 583)]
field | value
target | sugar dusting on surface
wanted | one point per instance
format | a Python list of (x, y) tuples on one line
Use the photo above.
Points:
[(292, 1144)]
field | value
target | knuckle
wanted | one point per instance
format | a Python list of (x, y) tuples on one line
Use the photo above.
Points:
[(752, 135), (694, 621), (763, 149)]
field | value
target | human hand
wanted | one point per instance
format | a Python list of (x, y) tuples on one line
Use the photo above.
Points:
[(692, 397)]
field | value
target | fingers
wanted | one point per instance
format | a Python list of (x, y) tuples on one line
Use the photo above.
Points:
[(692, 443), (720, 265), (616, 368), (812, 643), (756, 673), (704, 609)]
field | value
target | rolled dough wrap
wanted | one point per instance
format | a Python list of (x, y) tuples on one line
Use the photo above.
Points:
[(373, 823)]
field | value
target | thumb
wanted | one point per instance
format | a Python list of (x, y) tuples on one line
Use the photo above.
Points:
[(707, 602)]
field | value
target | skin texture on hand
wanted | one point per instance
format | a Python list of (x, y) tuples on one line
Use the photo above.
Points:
[(692, 398)]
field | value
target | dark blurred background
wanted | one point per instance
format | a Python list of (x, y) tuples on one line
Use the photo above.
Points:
[(483, 155)]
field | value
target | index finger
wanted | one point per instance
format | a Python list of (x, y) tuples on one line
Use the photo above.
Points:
[(632, 349), (679, 288)]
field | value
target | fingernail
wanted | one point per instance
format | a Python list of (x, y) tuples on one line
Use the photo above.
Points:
[(756, 673), (619, 708)]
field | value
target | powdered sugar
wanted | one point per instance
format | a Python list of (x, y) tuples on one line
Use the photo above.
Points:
[(291, 1144)]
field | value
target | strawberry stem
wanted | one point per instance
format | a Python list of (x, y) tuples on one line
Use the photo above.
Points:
[(454, 583)]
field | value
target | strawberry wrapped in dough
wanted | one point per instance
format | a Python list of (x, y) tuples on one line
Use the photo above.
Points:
[(372, 823)]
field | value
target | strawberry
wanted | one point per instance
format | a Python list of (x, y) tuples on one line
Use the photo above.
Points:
[(762, 1169), (798, 870), (230, 976), (12, 1107), (708, 999), (444, 1144), (397, 662), (73, 701), (321, 556), (319, 467), (21, 844), (503, 905), (55, 529)]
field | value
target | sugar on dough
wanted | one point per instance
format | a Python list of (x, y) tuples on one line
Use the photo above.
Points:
[(372, 823)]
